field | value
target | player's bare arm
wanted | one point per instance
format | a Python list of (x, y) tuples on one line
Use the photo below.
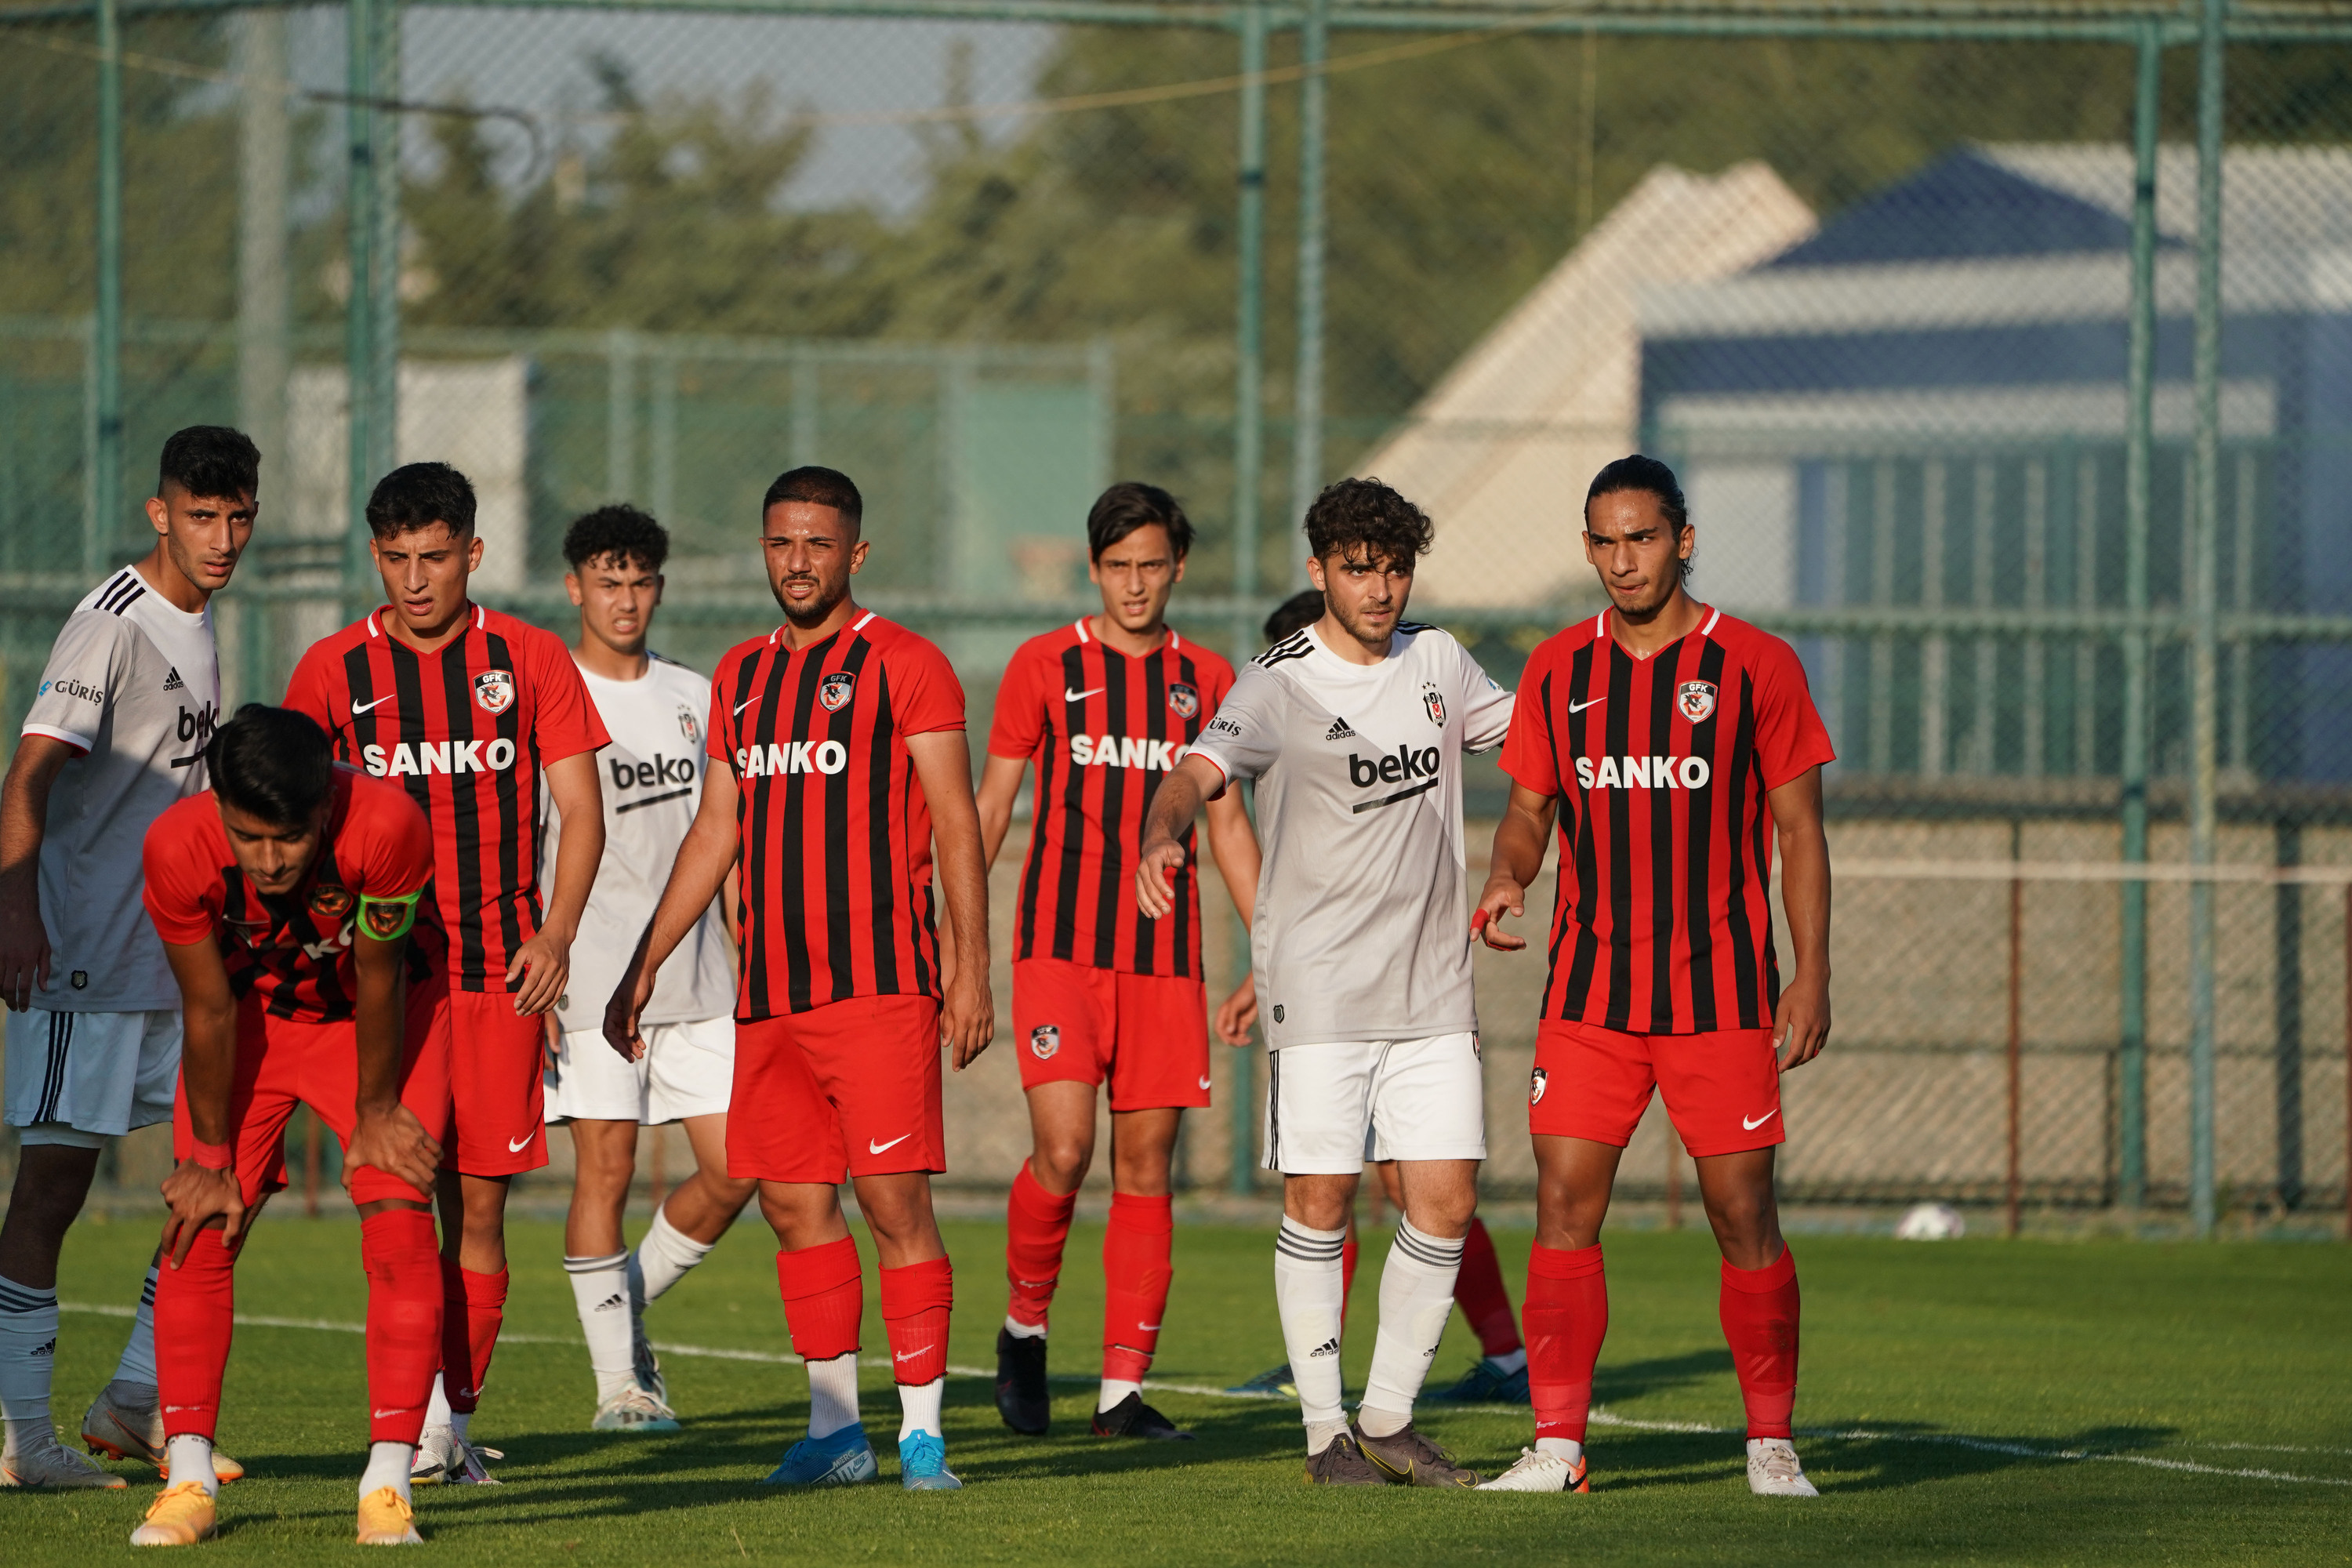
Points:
[(705, 860), (385, 1134), (943, 763), (1000, 786), (544, 963), (1175, 804), (1521, 838), (1802, 1023), (24, 816), (202, 1190), (1233, 844)]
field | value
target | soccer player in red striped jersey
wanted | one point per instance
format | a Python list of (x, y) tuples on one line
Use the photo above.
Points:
[(285, 897), (1103, 708), (843, 784), (467, 710), (1674, 745)]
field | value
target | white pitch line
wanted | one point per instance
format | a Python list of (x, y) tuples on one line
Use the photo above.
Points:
[(1600, 1417)]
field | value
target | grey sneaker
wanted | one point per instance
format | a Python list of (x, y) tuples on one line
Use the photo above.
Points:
[(634, 1410), (1342, 1463), (1411, 1459)]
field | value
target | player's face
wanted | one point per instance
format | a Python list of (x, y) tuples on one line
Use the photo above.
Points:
[(1136, 576), (616, 595), (1364, 592), (202, 535), (274, 857), (1636, 551), (812, 553), (425, 572)]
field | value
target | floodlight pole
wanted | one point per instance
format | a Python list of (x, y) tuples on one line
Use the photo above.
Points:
[(104, 523), (1249, 474), (2205, 642), (1306, 396)]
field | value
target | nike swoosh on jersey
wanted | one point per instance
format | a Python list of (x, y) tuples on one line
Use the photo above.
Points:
[(1580, 707), (360, 708), (1752, 1126), (1070, 696), (517, 1145), (873, 1148), (1204, 1083), (745, 703)]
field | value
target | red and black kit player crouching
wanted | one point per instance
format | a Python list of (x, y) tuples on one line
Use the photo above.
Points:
[(841, 763), (1103, 708), (285, 897), (467, 710), (1674, 745)]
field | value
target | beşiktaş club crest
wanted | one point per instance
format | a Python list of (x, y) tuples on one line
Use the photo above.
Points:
[(1182, 700), (1696, 700), (688, 725), (1432, 704), (1044, 1040), (834, 695), (494, 690), (1536, 1082)]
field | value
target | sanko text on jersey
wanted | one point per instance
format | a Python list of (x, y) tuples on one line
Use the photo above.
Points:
[(1643, 773), (1126, 752), (439, 757)]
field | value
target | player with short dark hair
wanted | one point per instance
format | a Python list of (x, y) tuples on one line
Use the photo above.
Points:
[(846, 795), (653, 772), (284, 900), (469, 709), (1103, 708), (1356, 729), (1296, 614), (115, 734), (1674, 745)]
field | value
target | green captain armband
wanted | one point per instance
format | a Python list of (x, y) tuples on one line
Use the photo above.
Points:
[(388, 920)]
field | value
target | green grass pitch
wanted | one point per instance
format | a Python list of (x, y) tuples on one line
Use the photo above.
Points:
[(2204, 1394)]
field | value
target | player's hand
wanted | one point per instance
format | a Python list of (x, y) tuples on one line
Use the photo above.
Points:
[(551, 1043), (1801, 1027), (395, 1141), (968, 1017), (1155, 876), (24, 941), (629, 999), (198, 1197), (543, 964), (1501, 896), (1237, 1013)]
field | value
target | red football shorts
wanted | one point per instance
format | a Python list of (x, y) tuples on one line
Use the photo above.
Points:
[(1722, 1089), (1147, 1034), (496, 1079), (850, 1088), (280, 1063)]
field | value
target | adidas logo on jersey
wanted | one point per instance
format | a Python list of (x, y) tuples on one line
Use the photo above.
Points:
[(1339, 732), (426, 757), (1643, 772), (1126, 752), (172, 683)]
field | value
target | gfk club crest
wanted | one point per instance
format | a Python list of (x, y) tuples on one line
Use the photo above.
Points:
[(1695, 698), (1183, 701), (1537, 1081), (834, 695), (494, 690), (332, 901), (1044, 1040)]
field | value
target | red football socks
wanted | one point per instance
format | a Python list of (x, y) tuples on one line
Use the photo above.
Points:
[(472, 1306), (1478, 1291), (1759, 1321), (1347, 1276), (1036, 1227), (824, 1298), (196, 1313), (1567, 1318), (404, 1321), (1137, 1269), (915, 1302)]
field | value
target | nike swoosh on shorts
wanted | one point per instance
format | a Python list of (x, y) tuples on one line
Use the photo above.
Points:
[(1752, 1126), (873, 1148)]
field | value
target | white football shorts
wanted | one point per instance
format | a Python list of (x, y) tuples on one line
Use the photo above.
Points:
[(96, 1074), (688, 1069), (1330, 1107)]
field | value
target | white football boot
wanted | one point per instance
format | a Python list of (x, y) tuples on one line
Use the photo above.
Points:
[(1773, 1469)]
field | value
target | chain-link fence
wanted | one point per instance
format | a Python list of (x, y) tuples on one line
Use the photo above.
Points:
[(2005, 351)]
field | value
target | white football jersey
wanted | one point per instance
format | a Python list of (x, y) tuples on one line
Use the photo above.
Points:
[(133, 684), (651, 779), (1362, 923)]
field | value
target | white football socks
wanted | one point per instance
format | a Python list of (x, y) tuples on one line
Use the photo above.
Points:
[(28, 1351), (1416, 1298), (832, 1394), (662, 1257), (138, 1364), (1115, 1389), (918, 1407), (600, 1289), (1307, 1291), (1567, 1448), (1510, 1362), (190, 1459), (1021, 1331), (387, 1465), (438, 1413)]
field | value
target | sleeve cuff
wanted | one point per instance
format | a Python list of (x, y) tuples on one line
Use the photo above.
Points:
[(81, 743), (1226, 778)]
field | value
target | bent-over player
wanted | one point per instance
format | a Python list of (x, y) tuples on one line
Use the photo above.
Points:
[(1675, 745), (1356, 729)]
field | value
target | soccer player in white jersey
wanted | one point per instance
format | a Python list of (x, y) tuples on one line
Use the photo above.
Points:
[(653, 711), (116, 733), (1356, 729)]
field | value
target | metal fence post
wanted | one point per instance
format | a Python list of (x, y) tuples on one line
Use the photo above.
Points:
[(104, 524), (620, 415), (2131, 1065), (2205, 644), (359, 310), (1306, 396), (384, 278)]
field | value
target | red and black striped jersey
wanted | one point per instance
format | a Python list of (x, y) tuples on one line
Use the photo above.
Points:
[(295, 950), (834, 832), (1103, 730), (466, 730), (1663, 923)]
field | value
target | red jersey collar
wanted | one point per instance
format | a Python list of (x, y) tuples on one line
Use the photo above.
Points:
[(1173, 642), (376, 628), (1600, 632), (775, 638)]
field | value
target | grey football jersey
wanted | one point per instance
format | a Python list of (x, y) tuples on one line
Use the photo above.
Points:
[(133, 684), (1362, 921)]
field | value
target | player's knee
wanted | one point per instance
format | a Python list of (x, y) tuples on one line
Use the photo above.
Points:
[(1060, 1163)]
